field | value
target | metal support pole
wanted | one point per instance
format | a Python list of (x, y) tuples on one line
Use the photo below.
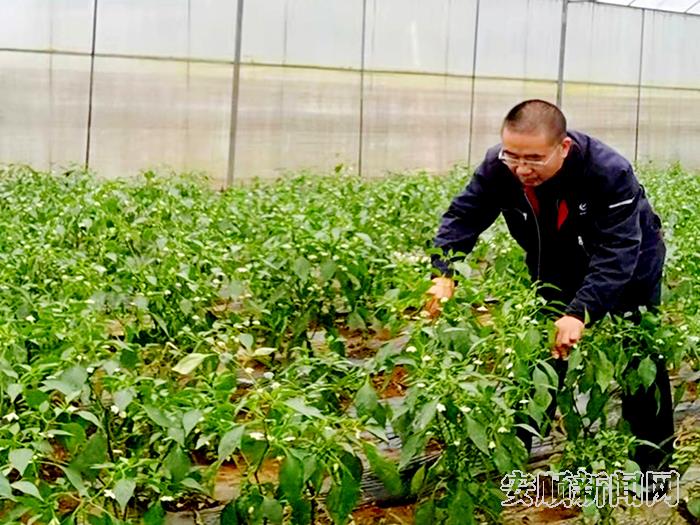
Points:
[(473, 87), (639, 87), (234, 96), (562, 51), (92, 85), (362, 89)]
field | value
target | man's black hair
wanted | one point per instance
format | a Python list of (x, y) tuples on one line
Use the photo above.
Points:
[(534, 115)]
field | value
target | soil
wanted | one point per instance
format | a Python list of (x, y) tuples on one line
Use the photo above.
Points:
[(391, 385)]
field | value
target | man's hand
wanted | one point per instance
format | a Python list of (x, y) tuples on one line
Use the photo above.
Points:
[(443, 287), (569, 331)]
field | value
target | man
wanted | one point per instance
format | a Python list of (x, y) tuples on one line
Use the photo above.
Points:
[(578, 211)]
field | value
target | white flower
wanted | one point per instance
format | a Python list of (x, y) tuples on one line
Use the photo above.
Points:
[(256, 323), (443, 300), (518, 306), (90, 369), (440, 407), (508, 351), (166, 498), (268, 375), (110, 494), (420, 385), (502, 430), (426, 358), (457, 443), (509, 366), (274, 385), (11, 416), (259, 436), (242, 269), (30, 318), (478, 362), (122, 414), (511, 375), (465, 410), (411, 349), (114, 409), (492, 444), (249, 370)]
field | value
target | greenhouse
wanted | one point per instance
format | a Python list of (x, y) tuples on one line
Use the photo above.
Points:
[(349, 262)]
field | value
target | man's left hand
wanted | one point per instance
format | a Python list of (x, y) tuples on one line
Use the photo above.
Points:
[(569, 331)]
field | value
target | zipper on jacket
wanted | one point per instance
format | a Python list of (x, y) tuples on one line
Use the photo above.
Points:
[(583, 247), (539, 237)]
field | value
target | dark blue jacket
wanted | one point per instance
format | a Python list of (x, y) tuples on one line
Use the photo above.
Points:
[(596, 238)]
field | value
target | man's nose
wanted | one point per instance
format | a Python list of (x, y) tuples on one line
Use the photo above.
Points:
[(520, 169)]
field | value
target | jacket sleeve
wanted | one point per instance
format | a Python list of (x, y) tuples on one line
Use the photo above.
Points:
[(615, 248), (469, 214)]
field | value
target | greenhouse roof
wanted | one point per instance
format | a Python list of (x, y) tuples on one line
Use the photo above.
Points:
[(676, 6)]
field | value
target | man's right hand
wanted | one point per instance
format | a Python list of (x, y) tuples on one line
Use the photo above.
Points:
[(443, 288)]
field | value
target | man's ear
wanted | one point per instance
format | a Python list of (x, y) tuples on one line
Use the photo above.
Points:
[(566, 146)]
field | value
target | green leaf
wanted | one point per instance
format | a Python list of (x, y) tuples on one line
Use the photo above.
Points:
[(384, 469), (366, 239), (155, 515), (190, 420), (414, 445), (194, 485), (264, 350), (230, 441), (540, 379), (157, 416), (5, 488), (461, 508), (88, 416), (342, 498), (477, 433), (426, 415), (229, 516), (302, 268), (70, 382), (75, 479), (299, 405), (27, 488), (189, 363), (94, 453), (366, 400), (123, 398), (272, 510), (417, 480), (604, 371), (425, 513), (13, 390), (328, 269), (186, 306), (355, 321), (20, 459), (75, 438), (291, 477), (123, 491), (177, 464), (647, 371), (694, 507), (246, 340)]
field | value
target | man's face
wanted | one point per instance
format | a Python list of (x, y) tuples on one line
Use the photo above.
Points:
[(533, 157)]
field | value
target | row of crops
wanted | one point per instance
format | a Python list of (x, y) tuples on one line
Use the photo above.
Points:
[(153, 331)]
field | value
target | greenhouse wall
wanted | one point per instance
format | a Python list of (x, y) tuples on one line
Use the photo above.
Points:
[(374, 86)]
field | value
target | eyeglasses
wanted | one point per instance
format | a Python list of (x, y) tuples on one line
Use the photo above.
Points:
[(512, 161)]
